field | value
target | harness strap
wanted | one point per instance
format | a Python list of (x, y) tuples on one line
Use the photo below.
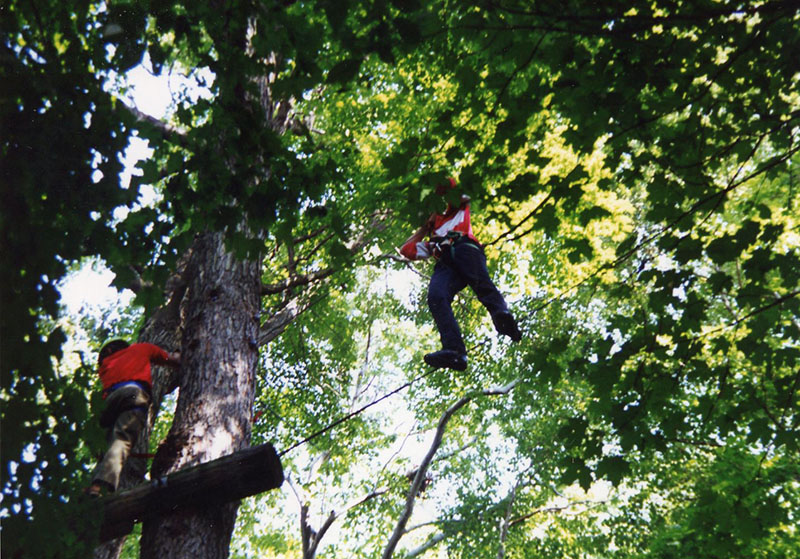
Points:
[(452, 239), (124, 383)]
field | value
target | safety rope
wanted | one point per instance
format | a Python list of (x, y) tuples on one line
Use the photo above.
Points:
[(561, 294), (353, 414), (523, 320), (362, 409)]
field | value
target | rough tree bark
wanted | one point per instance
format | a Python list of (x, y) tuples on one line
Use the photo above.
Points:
[(214, 409), (213, 317), (163, 328)]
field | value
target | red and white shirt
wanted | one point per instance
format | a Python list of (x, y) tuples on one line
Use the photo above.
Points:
[(452, 220)]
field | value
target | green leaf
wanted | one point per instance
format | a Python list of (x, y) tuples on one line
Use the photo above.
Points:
[(747, 233), (150, 171), (573, 431), (397, 164), (613, 468), (720, 282), (409, 31), (771, 233), (595, 212), (625, 246), (340, 252), (688, 250), (345, 71), (546, 220), (336, 12), (174, 163), (722, 250), (579, 250)]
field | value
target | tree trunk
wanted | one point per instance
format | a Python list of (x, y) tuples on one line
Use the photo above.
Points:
[(163, 329), (215, 303), (217, 390), (235, 476)]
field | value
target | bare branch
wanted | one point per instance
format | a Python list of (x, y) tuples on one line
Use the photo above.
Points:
[(307, 257), (419, 479), (588, 502), (312, 538), (309, 236), (361, 500), (779, 300), (501, 550), (423, 525), (277, 323), (296, 281), (168, 132), (410, 475), (307, 533), (315, 538), (426, 546)]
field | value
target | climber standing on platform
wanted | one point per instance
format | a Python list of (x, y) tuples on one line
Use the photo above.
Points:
[(124, 371), (460, 261)]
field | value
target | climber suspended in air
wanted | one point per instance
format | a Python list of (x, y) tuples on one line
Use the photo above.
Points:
[(460, 261)]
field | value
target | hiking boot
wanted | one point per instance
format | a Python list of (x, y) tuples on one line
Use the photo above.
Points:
[(447, 359), (505, 324)]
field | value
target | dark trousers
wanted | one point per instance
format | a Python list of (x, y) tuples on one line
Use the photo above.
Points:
[(464, 265), (124, 418)]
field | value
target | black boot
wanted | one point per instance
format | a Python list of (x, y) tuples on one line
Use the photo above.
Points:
[(505, 324), (447, 359)]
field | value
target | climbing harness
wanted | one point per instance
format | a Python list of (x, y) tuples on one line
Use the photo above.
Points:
[(449, 242), (124, 383)]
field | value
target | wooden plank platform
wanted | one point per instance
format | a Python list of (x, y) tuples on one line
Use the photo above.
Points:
[(230, 478)]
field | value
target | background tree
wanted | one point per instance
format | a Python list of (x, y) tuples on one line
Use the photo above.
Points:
[(634, 166)]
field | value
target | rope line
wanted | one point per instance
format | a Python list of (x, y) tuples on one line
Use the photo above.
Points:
[(359, 411), (353, 414), (389, 394), (362, 409), (523, 320)]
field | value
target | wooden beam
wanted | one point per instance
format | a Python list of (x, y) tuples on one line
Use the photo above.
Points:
[(230, 478)]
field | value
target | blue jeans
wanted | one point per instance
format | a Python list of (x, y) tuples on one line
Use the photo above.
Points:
[(464, 265)]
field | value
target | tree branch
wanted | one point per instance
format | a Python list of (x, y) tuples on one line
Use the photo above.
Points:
[(533, 212), (296, 280), (528, 516), (312, 538), (501, 550), (426, 546), (277, 323), (317, 536), (168, 132), (419, 479), (779, 300)]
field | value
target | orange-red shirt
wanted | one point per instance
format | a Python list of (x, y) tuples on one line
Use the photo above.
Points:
[(452, 220), (131, 363)]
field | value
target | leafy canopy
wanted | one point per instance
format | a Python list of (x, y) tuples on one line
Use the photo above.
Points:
[(633, 168)]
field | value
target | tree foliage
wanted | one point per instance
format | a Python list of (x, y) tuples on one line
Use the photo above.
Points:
[(633, 169)]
